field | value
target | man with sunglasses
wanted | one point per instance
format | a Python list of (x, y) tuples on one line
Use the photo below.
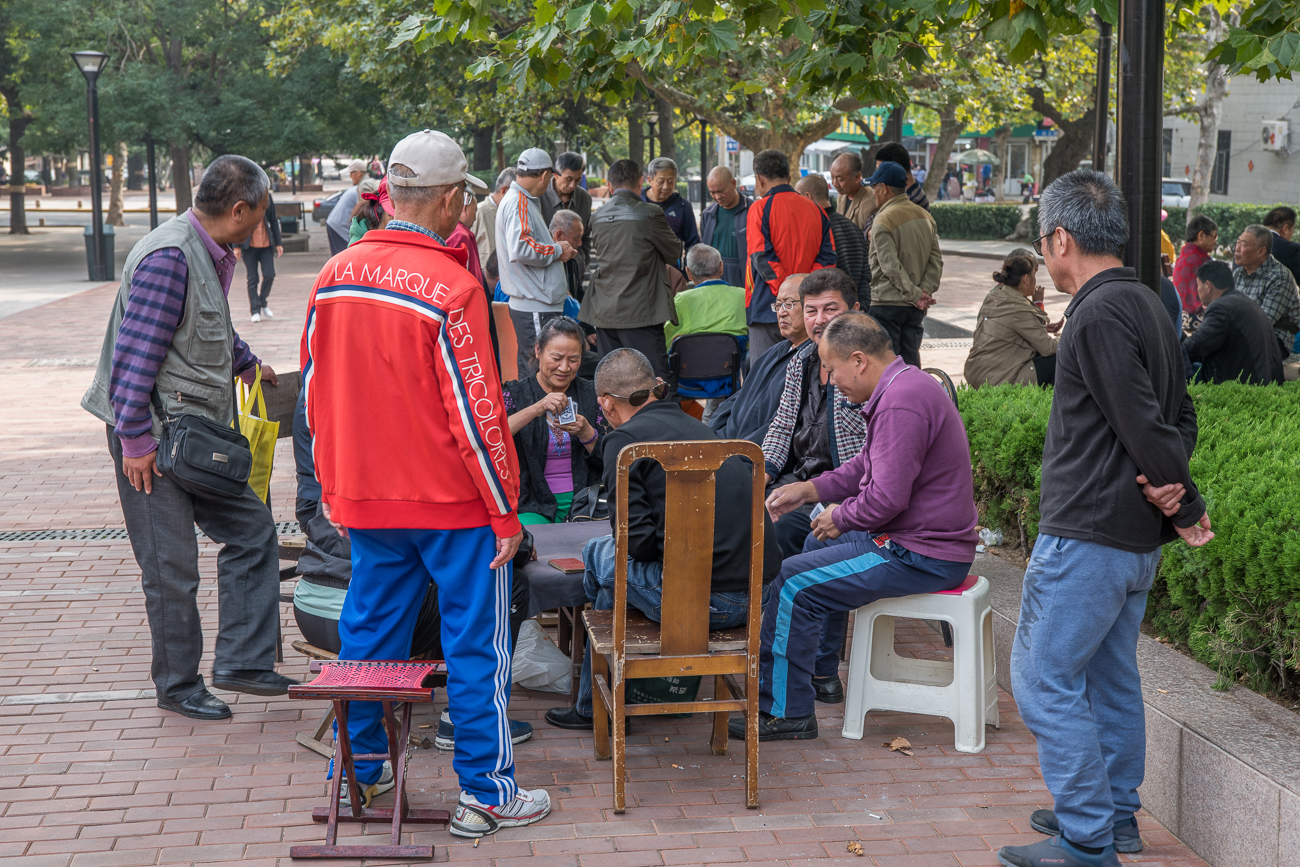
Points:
[(631, 397)]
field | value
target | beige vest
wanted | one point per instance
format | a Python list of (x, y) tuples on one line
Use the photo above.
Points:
[(196, 376)]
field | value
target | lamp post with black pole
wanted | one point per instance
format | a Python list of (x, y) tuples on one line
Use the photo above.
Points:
[(153, 182), (91, 63), (653, 118)]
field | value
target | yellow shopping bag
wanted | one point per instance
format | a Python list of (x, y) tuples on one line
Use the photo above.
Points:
[(260, 433)]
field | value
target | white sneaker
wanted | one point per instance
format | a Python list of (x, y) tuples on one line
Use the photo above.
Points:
[(476, 819), (266, 311), (257, 317), (385, 783)]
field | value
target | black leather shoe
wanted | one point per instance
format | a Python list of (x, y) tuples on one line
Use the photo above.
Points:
[(828, 690), (253, 682), (200, 705), (568, 718), (775, 728)]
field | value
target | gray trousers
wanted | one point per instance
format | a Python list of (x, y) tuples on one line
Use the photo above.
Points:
[(161, 527), (527, 325)]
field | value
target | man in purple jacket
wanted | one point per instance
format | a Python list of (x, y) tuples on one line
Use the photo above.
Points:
[(904, 523)]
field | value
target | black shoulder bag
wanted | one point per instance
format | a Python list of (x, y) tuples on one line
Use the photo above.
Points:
[(201, 456)]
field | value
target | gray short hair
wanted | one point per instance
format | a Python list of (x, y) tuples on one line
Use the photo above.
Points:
[(1263, 237), (570, 162), (704, 261), (505, 179), (624, 371), (231, 179), (567, 222), (415, 197), (660, 164), (856, 332), (1089, 206)]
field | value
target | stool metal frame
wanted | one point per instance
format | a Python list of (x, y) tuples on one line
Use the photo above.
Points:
[(386, 682)]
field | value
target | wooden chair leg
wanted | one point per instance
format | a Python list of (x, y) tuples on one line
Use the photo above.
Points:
[(619, 722), (719, 739), (600, 713), (751, 735), (315, 741)]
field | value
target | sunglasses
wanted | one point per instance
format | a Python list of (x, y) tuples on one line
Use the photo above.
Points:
[(641, 395)]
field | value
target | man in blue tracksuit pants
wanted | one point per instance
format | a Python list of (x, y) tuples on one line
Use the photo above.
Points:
[(424, 478)]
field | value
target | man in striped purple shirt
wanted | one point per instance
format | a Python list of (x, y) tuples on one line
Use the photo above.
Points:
[(171, 349)]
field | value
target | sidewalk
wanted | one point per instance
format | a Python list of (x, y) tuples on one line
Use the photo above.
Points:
[(93, 773)]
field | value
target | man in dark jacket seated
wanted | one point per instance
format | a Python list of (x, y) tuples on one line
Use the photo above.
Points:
[(631, 397), (747, 413), (1235, 339)]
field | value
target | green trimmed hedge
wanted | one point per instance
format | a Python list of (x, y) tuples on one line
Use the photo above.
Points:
[(1235, 602), (961, 222)]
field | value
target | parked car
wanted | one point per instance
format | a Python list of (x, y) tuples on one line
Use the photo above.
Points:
[(1175, 193), (746, 185), (320, 208)]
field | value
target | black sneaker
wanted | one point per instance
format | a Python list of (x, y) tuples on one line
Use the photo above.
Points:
[(1126, 832), (828, 690), (1055, 852), (775, 728)]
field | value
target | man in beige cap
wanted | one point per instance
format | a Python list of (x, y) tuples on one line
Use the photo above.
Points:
[(424, 481), (339, 222)]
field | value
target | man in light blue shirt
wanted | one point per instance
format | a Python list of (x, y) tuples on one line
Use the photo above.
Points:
[(339, 222)]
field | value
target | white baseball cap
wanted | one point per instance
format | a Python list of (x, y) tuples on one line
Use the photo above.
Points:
[(436, 160), (356, 166), (534, 160)]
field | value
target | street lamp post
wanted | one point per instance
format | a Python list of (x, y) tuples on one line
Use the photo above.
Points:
[(153, 182), (653, 118), (704, 163), (1138, 146), (91, 63)]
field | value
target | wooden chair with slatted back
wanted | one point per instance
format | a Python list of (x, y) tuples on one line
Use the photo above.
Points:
[(630, 645)]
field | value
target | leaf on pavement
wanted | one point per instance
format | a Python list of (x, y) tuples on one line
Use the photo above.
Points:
[(901, 745)]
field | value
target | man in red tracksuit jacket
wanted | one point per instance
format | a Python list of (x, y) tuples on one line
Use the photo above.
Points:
[(417, 466), (787, 234)]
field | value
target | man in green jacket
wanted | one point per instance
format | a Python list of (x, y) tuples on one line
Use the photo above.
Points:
[(905, 262), (629, 300)]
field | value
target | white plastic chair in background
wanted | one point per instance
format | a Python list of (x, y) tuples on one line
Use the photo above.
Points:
[(964, 690)]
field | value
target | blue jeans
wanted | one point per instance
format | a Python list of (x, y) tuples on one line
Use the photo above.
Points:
[(645, 591), (1075, 677)]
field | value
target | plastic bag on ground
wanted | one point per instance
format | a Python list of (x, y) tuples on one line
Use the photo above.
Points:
[(538, 664)]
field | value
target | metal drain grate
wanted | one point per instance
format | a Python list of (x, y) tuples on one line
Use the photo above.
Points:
[(64, 361), (948, 343), (282, 528)]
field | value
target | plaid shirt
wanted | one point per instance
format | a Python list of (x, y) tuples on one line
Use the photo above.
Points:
[(1273, 288), (847, 429)]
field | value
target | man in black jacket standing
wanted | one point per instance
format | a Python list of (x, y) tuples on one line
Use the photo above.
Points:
[(850, 243), (1235, 339), (722, 225), (1115, 487), (1281, 222), (631, 397)]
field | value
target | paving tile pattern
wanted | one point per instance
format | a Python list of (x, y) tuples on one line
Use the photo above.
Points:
[(88, 777)]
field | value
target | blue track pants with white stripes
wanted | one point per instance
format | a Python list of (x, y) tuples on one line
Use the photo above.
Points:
[(836, 575), (391, 570)]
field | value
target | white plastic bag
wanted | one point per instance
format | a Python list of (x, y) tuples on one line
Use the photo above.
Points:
[(538, 664)]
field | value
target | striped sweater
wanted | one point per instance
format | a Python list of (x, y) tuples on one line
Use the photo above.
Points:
[(403, 398)]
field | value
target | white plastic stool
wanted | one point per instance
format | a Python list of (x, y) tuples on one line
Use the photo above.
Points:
[(964, 690)]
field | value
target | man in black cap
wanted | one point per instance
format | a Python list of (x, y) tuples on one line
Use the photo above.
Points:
[(905, 262)]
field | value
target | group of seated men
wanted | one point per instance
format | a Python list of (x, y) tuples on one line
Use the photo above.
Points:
[(869, 493)]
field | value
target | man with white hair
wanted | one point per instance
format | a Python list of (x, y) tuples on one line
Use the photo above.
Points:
[(339, 222), (485, 221), (425, 482), (713, 306), (567, 228)]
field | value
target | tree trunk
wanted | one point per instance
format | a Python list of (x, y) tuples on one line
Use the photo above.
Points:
[(181, 177), (667, 139), (1002, 147), (949, 130), (1074, 143), (636, 138), (18, 121), (116, 182), (483, 147), (1216, 88)]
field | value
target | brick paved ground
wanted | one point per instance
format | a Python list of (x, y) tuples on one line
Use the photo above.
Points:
[(93, 773)]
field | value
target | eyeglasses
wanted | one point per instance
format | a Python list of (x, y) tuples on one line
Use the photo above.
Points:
[(780, 306), (1037, 243), (470, 198), (641, 395)]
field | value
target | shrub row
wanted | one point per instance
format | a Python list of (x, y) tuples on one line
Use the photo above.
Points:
[(961, 222), (1234, 602)]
